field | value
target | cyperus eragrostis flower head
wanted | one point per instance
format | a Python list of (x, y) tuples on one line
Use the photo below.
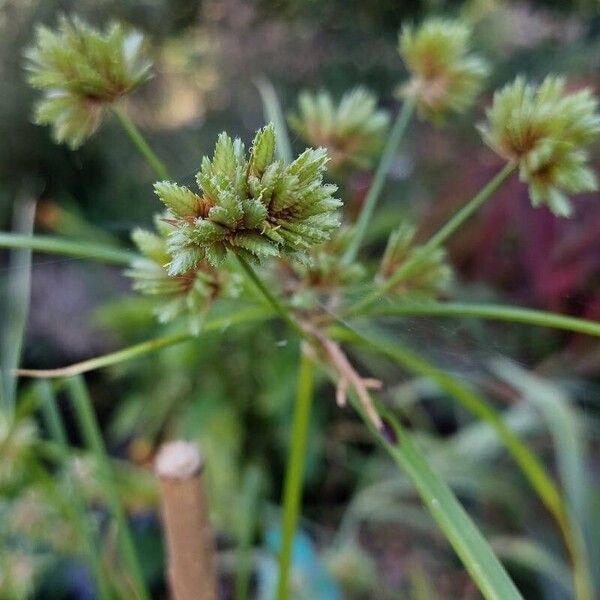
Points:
[(81, 71), (546, 131), (250, 204), (444, 76)]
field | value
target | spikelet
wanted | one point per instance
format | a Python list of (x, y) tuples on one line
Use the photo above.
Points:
[(324, 273)]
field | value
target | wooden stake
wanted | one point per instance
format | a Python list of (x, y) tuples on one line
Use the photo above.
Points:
[(190, 547)]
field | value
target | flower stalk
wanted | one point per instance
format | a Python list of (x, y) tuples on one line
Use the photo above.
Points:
[(383, 168), (140, 143), (438, 239), (88, 425), (294, 474)]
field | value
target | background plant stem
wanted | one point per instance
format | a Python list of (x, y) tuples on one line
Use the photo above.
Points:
[(88, 425), (389, 152), (75, 504), (140, 143), (274, 114), (294, 474), (15, 309)]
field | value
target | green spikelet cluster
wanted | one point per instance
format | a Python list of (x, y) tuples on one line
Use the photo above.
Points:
[(80, 71), (325, 272), (191, 292), (431, 274), (353, 131), (444, 77), (546, 131), (253, 205)]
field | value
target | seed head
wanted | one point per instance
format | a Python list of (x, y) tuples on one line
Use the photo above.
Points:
[(324, 273), (353, 131), (546, 131), (81, 71), (252, 205), (444, 77)]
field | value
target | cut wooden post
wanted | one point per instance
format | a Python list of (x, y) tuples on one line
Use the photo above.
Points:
[(189, 540)]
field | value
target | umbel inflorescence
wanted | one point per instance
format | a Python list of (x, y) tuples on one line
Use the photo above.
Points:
[(546, 131), (81, 71), (444, 76), (249, 204)]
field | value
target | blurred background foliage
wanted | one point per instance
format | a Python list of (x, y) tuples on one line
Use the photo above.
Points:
[(232, 390)]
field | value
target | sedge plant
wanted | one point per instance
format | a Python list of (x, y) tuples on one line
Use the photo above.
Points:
[(265, 229)]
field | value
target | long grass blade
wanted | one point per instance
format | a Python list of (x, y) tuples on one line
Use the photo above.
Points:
[(464, 536), (88, 425), (56, 245), (147, 347), (75, 505), (274, 114), (16, 308), (529, 463), (493, 312)]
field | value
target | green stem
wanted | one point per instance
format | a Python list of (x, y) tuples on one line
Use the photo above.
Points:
[(471, 207), (88, 425), (379, 178), (249, 518), (56, 245), (140, 143), (439, 238), (271, 299), (75, 504), (294, 475), (494, 312), (113, 358)]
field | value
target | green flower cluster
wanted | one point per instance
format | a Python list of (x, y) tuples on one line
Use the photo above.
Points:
[(430, 275), (444, 76), (81, 71), (353, 131), (191, 292), (546, 131), (252, 205)]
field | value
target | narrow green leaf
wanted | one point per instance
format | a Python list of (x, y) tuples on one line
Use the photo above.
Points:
[(113, 358), (16, 307), (56, 245), (493, 312), (464, 536), (527, 461)]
